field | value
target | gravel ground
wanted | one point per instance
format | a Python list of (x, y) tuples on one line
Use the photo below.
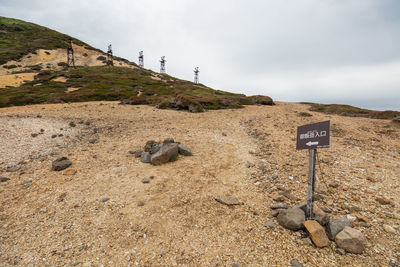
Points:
[(98, 211)]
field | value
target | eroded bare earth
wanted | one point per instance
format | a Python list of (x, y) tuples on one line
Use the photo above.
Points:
[(64, 218)]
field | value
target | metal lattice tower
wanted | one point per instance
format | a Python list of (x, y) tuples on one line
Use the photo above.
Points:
[(196, 75), (141, 57), (70, 55), (162, 61), (110, 61)]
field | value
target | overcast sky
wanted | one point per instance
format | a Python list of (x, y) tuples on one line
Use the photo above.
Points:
[(326, 51)]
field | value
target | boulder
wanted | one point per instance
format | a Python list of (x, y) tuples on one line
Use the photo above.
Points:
[(167, 153), (317, 233), (335, 226), (183, 150), (61, 164), (292, 218), (351, 240), (145, 157)]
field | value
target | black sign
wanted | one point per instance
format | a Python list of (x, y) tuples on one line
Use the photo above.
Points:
[(312, 136)]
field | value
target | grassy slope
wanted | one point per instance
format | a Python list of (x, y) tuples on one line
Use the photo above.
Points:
[(118, 83), (18, 38), (346, 110)]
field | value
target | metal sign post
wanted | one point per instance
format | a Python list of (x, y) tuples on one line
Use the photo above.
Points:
[(311, 137)]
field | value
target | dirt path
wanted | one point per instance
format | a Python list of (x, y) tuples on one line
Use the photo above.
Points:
[(174, 220)]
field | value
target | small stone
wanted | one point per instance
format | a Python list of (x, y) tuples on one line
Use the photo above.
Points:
[(295, 263), (351, 240), (229, 200), (235, 265), (383, 201), (356, 198), (270, 224), (42, 130), (223, 134), (105, 199), (13, 168), (151, 177), (61, 197), (306, 241), (278, 206), (145, 181), (340, 251), (34, 135), (351, 218), (275, 213), (335, 226), (317, 233), (72, 124), (54, 136), (183, 150), (61, 164), (334, 184), (291, 219), (26, 183), (389, 229), (92, 141), (145, 157), (4, 179), (249, 164), (140, 203), (70, 172), (274, 177)]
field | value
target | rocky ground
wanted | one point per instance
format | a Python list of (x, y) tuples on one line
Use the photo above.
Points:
[(109, 209)]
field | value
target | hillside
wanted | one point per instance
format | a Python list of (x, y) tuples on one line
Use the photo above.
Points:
[(33, 71), (99, 211)]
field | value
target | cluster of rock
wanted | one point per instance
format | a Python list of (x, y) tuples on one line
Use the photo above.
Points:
[(322, 228), (158, 153)]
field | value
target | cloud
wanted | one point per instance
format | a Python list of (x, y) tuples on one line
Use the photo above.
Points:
[(304, 50)]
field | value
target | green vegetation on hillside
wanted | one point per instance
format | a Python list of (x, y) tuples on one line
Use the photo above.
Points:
[(132, 85), (346, 110), (19, 38)]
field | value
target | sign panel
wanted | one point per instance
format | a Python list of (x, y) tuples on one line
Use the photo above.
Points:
[(314, 135)]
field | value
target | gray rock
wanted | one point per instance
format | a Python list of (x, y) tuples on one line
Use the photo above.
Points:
[(151, 146), (34, 134), (229, 200), (295, 263), (291, 219), (136, 153), (61, 164), (145, 181), (335, 226), (340, 251), (235, 265), (27, 183), (270, 224), (183, 150), (54, 136), (105, 199), (167, 153), (92, 141), (351, 240), (13, 168), (72, 124), (223, 134), (319, 215), (168, 141), (145, 157), (249, 164), (4, 179), (278, 206)]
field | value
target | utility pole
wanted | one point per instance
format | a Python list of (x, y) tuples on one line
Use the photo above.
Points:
[(162, 61), (110, 56), (196, 75), (141, 57), (70, 55)]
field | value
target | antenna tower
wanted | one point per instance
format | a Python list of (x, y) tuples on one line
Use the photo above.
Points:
[(70, 55), (110, 56), (162, 69), (141, 64), (196, 75)]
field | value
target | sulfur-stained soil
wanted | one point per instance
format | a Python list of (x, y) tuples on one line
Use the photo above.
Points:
[(98, 212)]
